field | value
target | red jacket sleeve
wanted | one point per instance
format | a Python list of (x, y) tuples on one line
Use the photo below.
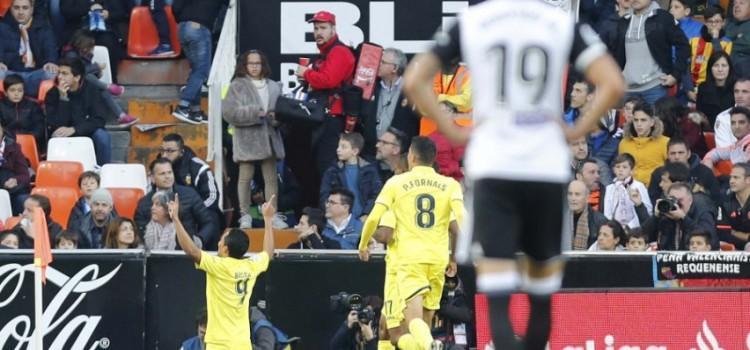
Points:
[(337, 68)]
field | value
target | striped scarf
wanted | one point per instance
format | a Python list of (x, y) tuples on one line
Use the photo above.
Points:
[(24, 49), (581, 231)]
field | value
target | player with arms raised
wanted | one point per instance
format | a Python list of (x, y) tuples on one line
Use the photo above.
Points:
[(517, 161), (229, 279), (422, 202)]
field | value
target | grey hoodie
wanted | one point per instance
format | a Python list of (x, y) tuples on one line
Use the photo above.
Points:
[(641, 70)]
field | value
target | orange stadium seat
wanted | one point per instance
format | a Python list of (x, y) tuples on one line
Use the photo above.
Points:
[(281, 239), (126, 200), (723, 167), (29, 150), (710, 140), (4, 5), (725, 246), (62, 200), (44, 88), (12, 221), (143, 37), (59, 174)]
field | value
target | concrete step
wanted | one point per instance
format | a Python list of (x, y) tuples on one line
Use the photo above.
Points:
[(144, 145), (153, 72), (157, 111)]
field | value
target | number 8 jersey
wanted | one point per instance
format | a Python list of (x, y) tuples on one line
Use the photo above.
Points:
[(422, 202), (518, 51)]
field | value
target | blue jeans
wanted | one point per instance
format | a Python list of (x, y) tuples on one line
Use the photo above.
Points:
[(102, 146), (650, 95), (31, 80), (196, 43)]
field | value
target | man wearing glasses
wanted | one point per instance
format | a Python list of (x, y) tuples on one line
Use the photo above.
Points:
[(191, 171), (388, 108), (341, 225), (390, 155)]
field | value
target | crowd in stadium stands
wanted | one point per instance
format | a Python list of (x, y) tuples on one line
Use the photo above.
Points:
[(668, 170)]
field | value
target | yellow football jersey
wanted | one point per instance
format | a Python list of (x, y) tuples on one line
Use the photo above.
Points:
[(229, 284), (422, 202), (389, 220)]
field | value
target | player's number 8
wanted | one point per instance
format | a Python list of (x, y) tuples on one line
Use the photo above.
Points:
[(425, 210)]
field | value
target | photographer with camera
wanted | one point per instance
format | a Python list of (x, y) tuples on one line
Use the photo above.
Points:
[(359, 330), (676, 216)]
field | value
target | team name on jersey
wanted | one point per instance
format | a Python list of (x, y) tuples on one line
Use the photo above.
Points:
[(412, 184)]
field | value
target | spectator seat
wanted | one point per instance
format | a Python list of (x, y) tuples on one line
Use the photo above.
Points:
[(6, 210), (124, 176), (4, 6), (725, 246), (143, 37), (125, 200), (101, 55), (29, 150), (62, 200), (44, 88), (79, 149), (710, 140), (58, 173), (723, 167), (281, 239)]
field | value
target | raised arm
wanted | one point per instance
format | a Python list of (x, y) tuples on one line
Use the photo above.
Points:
[(268, 212), (182, 236)]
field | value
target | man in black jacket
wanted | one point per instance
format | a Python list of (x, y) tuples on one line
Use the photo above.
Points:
[(671, 229), (191, 171), (642, 45), (734, 220), (194, 216), (388, 107), (585, 221), (678, 152), (311, 224), (23, 228), (75, 108)]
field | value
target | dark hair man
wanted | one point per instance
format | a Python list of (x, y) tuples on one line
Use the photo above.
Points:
[(229, 278)]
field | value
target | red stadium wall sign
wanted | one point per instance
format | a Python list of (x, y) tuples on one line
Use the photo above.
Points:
[(636, 321)]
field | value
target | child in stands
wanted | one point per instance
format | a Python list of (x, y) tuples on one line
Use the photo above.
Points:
[(66, 240), (82, 47), (636, 241), (19, 114)]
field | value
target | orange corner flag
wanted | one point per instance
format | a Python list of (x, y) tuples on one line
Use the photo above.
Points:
[(42, 250)]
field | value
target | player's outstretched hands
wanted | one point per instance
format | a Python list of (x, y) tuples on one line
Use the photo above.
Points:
[(268, 209), (174, 208), (364, 255)]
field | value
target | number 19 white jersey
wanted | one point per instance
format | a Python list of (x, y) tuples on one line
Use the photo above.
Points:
[(517, 51)]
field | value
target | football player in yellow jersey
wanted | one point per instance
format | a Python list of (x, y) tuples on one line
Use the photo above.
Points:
[(422, 202), (392, 315), (229, 279)]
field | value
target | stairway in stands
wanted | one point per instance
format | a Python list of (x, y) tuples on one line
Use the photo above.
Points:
[(152, 90)]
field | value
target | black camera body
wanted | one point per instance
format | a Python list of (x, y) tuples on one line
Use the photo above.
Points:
[(365, 315), (345, 302), (666, 205)]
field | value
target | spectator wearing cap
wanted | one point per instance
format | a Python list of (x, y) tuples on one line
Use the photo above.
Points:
[(93, 226), (328, 74), (388, 107)]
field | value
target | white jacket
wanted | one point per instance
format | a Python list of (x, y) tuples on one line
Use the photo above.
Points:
[(610, 201)]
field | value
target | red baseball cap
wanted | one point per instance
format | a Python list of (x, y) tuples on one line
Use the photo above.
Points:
[(323, 16)]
